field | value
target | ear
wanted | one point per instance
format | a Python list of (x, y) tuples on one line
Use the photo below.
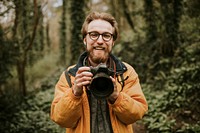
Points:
[(113, 43), (84, 41)]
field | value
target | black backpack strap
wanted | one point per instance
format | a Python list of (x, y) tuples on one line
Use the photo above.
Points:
[(122, 80), (68, 78)]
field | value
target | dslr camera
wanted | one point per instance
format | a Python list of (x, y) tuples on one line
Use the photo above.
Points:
[(101, 85)]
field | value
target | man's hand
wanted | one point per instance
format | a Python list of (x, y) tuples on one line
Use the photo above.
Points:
[(112, 98), (83, 77)]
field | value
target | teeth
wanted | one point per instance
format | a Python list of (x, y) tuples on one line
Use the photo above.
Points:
[(98, 48)]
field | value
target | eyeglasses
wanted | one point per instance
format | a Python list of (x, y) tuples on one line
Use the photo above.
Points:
[(95, 35)]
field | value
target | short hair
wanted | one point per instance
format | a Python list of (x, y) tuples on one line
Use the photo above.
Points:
[(103, 16)]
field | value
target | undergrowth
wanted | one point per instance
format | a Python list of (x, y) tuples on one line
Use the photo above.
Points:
[(175, 106), (30, 114)]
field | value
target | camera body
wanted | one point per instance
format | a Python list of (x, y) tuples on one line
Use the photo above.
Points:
[(101, 85)]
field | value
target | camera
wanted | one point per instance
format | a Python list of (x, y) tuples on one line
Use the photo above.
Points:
[(101, 85)]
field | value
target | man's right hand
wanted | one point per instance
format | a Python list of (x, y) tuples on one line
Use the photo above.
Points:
[(83, 78)]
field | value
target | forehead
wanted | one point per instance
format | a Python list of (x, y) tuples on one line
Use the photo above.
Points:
[(100, 26)]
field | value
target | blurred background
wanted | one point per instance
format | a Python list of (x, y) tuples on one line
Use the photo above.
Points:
[(39, 39)]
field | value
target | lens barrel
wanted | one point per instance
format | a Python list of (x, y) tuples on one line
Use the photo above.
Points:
[(101, 85)]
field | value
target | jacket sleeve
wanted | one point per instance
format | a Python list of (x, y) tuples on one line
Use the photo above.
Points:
[(66, 107), (131, 104)]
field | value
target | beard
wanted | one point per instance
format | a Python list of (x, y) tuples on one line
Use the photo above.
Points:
[(100, 58)]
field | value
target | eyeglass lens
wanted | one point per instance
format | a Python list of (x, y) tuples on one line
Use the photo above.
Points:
[(95, 35)]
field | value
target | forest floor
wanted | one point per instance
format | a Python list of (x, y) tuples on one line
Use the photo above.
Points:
[(139, 128)]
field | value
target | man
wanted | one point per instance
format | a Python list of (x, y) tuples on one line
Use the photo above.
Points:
[(76, 108)]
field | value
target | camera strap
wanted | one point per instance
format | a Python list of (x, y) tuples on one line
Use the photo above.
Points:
[(68, 78), (122, 80)]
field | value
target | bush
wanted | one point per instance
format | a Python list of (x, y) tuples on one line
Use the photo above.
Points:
[(175, 107), (31, 114)]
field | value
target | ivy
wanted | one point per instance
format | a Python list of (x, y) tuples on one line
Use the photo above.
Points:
[(31, 114), (175, 108)]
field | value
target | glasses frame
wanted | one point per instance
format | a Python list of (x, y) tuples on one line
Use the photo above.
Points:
[(102, 35)]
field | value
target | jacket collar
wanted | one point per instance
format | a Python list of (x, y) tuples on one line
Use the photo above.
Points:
[(120, 67)]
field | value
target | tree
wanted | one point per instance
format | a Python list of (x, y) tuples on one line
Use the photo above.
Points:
[(172, 11), (63, 35), (23, 37), (77, 17), (6, 58), (127, 14)]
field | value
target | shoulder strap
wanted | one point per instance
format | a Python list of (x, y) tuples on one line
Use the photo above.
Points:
[(122, 80), (68, 78)]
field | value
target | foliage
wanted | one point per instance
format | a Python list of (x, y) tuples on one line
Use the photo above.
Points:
[(30, 114), (176, 107), (46, 67), (163, 46), (167, 61), (22, 44), (6, 57)]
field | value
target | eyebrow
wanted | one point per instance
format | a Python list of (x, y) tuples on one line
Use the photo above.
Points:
[(99, 32)]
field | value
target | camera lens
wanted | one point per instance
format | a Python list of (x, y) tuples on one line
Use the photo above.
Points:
[(101, 86)]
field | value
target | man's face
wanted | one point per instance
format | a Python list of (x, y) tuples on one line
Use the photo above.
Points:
[(99, 46)]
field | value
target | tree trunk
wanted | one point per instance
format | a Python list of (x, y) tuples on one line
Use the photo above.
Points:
[(23, 38), (63, 37), (77, 18), (21, 63), (172, 11)]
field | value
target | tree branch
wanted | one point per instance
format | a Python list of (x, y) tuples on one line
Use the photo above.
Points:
[(36, 16), (7, 10), (127, 15)]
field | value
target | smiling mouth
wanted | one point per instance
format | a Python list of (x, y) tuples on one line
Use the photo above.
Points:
[(99, 48)]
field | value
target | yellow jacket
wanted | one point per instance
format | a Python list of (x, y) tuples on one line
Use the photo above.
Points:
[(73, 112)]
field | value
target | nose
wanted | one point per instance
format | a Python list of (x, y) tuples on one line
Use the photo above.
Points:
[(100, 39)]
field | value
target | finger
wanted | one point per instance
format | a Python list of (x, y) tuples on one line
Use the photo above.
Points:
[(82, 69), (113, 79), (83, 79), (85, 83), (81, 84), (87, 74)]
